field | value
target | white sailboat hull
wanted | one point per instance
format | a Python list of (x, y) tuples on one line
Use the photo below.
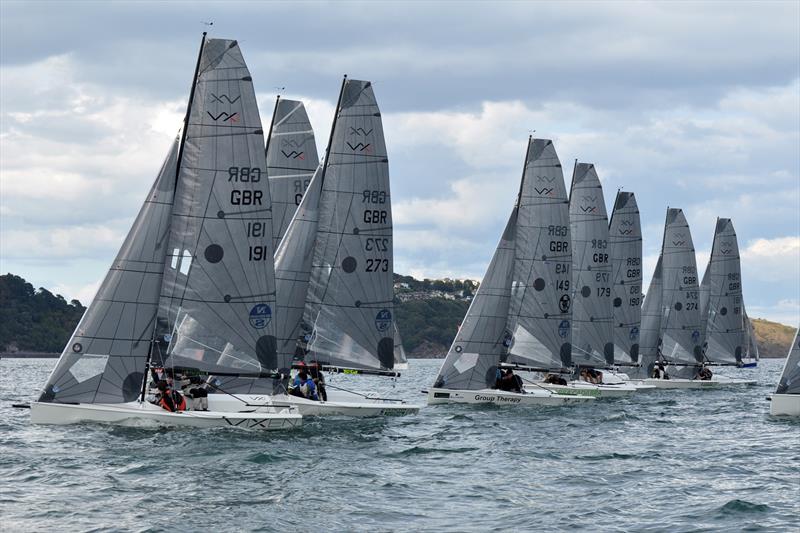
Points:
[(339, 403), (494, 396), (144, 413), (591, 389), (714, 383), (785, 405)]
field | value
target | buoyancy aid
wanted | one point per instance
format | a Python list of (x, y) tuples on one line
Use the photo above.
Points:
[(172, 401)]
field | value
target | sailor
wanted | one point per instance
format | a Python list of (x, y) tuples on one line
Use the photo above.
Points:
[(704, 374), (659, 372), (171, 400), (510, 382), (303, 386), (315, 370), (555, 379), (195, 388)]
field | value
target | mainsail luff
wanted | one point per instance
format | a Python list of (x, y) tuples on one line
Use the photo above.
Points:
[(539, 310), (350, 315), (218, 291), (681, 327), (649, 346), (105, 358), (724, 324), (790, 377), (291, 161), (625, 245), (591, 270), (472, 359)]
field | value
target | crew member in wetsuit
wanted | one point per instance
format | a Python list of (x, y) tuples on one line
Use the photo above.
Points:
[(303, 386), (169, 399), (315, 371), (510, 382)]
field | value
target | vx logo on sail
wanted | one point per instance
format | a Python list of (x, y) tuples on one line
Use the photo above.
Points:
[(225, 116), (293, 154), (215, 98), (361, 147), (625, 231), (545, 179), (589, 208), (359, 131), (544, 191)]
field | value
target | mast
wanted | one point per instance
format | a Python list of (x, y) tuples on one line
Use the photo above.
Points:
[(177, 175), (524, 168), (272, 123), (333, 128)]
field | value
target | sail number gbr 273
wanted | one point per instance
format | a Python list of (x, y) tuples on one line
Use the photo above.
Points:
[(374, 201)]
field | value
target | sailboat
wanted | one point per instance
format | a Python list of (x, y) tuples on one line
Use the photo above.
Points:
[(786, 400), (592, 332), (519, 316), (291, 162), (680, 342), (334, 268), (721, 298), (192, 286), (751, 355)]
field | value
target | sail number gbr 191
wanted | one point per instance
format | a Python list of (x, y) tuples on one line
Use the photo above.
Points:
[(374, 202), (253, 198)]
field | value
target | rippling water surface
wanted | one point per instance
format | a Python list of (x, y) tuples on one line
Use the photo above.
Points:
[(706, 460)]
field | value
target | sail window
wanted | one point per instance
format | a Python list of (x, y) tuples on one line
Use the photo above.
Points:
[(88, 366), (186, 262), (175, 258), (466, 362)]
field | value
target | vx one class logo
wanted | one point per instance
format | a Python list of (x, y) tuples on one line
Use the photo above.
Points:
[(260, 316), (383, 320)]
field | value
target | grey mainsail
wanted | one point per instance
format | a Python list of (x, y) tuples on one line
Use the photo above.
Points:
[(349, 312), (750, 341), (681, 326), (591, 270), (400, 357), (218, 293), (649, 346), (790, 378), (293, 270), (625, 248), (481, 339), (104, 359), (539, 311), (291, 161), (724, 324)]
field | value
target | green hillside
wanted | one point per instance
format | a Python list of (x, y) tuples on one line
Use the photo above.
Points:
[(428, 312), (34, 320)]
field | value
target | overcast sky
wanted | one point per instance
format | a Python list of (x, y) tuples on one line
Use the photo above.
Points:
[(692, 105)]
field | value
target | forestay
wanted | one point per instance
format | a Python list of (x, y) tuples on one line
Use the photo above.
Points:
[(472, 360), (625, 248), (291, 161), (722, 283), (539, 311), (649, 347), (218, 294), (681, 336), (790, 378), (349, 307), (591, 270), (104, 359)]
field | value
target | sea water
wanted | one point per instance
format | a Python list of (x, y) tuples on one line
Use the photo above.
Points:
[(670, 460)]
